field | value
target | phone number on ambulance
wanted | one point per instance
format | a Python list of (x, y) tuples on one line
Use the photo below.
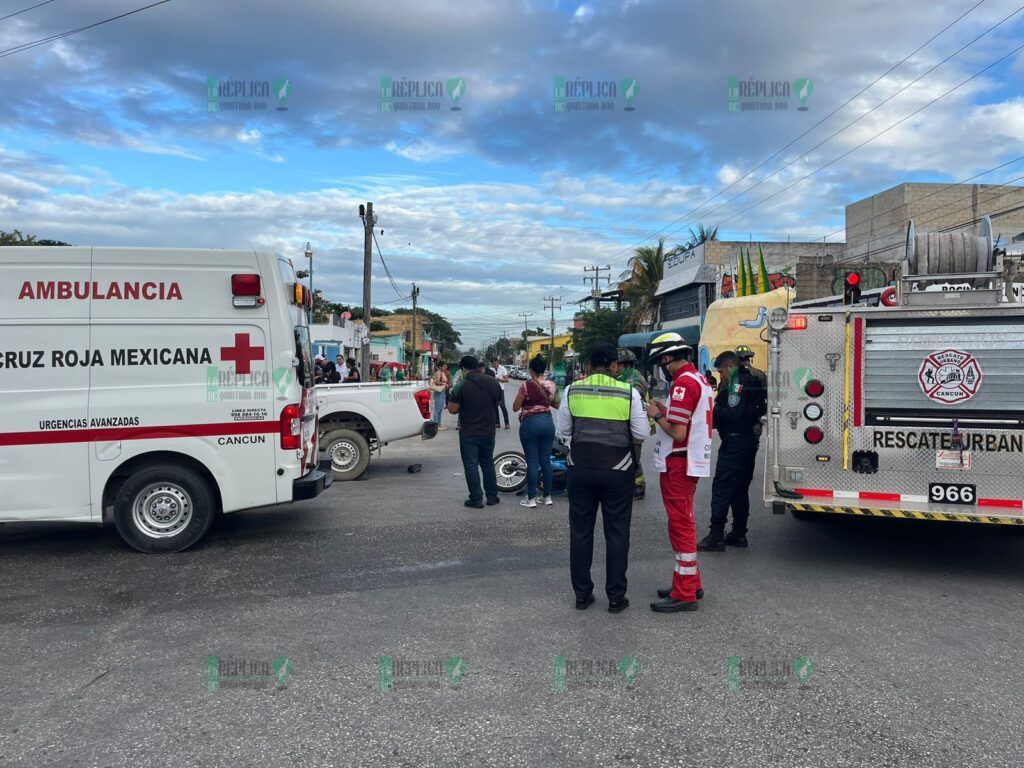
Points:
[(70, 358)]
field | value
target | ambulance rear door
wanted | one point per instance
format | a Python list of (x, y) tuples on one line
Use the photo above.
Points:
[(44, 383)]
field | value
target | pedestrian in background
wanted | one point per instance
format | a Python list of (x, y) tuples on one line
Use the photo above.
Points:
[(475, 402), (353, 372), (339, 363), (682, 455), (534, 402), (603, 417), (501, 374), (331, 375), (739, 406), (438, 392)]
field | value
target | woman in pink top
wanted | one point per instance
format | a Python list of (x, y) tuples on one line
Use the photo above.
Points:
[(534, 402)]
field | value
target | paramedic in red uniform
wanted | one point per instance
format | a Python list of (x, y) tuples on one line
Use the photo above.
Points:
[(682, 455)]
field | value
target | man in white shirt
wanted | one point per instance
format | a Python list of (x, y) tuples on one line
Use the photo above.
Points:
[(339, 361), (501, 374)]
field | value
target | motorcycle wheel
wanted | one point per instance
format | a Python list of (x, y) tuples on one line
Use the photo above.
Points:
[(510, 470)]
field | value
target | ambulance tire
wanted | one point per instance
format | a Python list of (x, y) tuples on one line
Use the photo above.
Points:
[(185, 500), (349, 453)]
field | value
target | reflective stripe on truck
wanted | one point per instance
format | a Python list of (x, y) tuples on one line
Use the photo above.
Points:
[(953, 517), (140, 433)]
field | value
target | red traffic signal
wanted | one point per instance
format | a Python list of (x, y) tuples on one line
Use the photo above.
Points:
[(851, 288)]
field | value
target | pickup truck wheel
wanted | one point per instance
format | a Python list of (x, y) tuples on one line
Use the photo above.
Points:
[(349, 453), (164, 508)]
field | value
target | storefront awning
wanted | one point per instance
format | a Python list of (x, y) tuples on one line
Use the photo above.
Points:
[(690, 333)]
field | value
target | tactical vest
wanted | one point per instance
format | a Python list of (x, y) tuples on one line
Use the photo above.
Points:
[(601, 438)]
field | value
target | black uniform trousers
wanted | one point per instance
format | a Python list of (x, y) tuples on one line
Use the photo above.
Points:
[(613, 491), (731, 486)]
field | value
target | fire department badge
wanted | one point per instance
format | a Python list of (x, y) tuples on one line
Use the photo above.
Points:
[(949, 376)]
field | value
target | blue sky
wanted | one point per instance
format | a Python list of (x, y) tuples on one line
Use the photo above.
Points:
[(106, 139)]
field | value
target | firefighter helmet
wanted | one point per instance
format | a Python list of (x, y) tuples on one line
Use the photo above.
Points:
[(668, 344), (743, 352), (626, 356)]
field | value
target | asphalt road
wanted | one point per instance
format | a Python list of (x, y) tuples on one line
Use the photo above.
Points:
[(904, 636)]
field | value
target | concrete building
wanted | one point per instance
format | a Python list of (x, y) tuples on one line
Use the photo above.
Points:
[(402, 325), (337, 336), (538, 345), (386, 347), (876, 227)]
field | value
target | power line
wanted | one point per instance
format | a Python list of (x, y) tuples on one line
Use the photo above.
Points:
[(861, 117), (686, 215), (44, 40), (25, 10), (872, 138), (394, 286)]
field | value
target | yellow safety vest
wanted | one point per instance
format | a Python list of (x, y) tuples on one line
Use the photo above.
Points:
[(601, 438)]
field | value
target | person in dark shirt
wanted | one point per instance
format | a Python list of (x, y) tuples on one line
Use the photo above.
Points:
[(739, 406), (475, 401), (353, 372), (331, 375)]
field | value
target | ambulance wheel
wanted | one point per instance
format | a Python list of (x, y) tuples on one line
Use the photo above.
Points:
[(164, 508), (349, 453)]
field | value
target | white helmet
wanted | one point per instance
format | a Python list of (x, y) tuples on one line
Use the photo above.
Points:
[(667, 343)]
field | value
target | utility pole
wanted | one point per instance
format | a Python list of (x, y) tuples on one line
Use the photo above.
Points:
[(415, 341), (369, 220), (526, 332), (550, 300), (595, 292)]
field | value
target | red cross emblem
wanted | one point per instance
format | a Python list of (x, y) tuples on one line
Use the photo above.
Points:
[(241, 354)]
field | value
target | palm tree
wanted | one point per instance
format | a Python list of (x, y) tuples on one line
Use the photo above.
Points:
[(646, 269), (701, 235)]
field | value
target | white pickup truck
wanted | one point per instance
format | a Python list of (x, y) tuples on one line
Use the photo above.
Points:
[(356, 419)]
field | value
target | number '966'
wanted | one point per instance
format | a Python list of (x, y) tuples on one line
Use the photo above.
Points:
[(949, 493)]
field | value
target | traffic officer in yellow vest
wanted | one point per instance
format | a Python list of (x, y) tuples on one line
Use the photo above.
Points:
[(603, 416), (630, 375)]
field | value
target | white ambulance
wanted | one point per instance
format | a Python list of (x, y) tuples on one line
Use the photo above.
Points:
[(153, 388)]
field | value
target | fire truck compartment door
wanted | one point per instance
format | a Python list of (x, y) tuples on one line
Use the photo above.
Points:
[(944, 367)]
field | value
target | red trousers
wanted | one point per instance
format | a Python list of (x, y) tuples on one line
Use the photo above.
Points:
[(677, 489)]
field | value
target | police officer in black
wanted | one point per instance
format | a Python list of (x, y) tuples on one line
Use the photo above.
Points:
[(746, 356), (739, 406)]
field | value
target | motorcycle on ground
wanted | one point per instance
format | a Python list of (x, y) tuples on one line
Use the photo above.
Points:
[(510, 468)]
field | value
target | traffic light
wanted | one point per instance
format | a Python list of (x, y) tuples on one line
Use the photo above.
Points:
[(851, 288)]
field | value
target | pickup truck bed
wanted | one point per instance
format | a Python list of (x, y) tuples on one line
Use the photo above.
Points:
[(356, 419)]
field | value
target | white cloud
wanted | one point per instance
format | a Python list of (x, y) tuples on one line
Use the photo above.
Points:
[(421, 151)]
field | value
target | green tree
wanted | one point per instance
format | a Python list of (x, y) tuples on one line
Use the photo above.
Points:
[(15, 237), (602, 325), (646, 268), (700, 235)]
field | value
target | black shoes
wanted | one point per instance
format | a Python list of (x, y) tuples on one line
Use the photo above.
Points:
[(711, 543), (474, 504), (492, 501), (582, 605), (734, 539), (618, 607), (665, 593), (669, 605)]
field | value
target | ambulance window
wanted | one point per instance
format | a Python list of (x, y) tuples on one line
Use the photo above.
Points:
[(303, 352)]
